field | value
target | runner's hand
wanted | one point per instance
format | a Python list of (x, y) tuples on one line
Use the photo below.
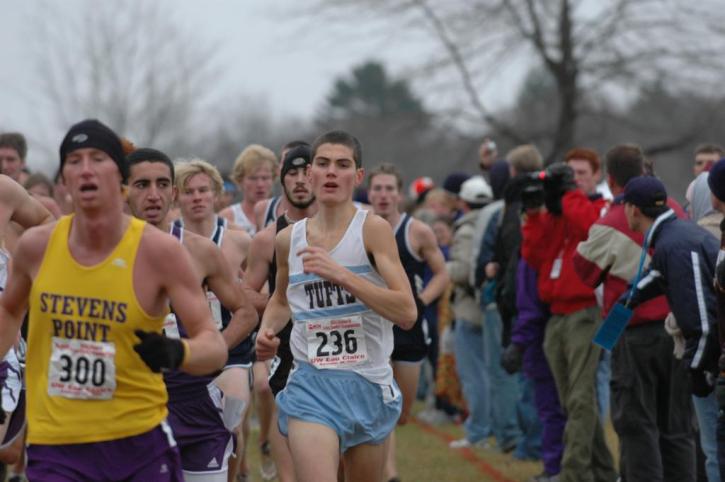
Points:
[(266, 345), (318, 261), (512, 359), (158, 351)]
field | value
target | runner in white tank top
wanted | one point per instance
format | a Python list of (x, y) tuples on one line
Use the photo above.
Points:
[(339, 277), (333, 329)]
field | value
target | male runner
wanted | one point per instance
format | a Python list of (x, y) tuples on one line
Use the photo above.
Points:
[(417, 247), (262, 269), (199, 183), (269, 210), (98, 284), (18, 207), (340, 279), (254, 172), (194, 402)]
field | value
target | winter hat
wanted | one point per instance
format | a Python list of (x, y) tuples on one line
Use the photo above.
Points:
[(92, 133)]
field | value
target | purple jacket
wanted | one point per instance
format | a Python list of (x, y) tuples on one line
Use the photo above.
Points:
[(528, 330)]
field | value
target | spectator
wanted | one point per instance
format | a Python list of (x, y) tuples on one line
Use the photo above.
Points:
[(13, 150), (716, 181), (650, 396), (487, 154), (475, 193), (705, 156), (38, 184), (682, 268), (701, 206), (550, 238), (440, 203)]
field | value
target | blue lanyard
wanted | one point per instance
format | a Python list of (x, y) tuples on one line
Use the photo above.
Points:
[(643, 256)]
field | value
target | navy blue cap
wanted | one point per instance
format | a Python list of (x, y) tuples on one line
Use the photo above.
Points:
[(716, 179), (645, 192), (454, 181)]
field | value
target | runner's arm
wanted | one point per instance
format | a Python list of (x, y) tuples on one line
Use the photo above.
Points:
[(207, 351), (433, 257), (14, 300), (277, 313), (27, 211), (257, 271), (231, 295)]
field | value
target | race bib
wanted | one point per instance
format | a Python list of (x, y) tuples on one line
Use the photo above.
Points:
[(336, 342), (216, 309), (82, 369), (171, 326)]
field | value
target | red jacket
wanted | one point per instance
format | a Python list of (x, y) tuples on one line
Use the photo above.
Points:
[(549, 243), (611, 254)]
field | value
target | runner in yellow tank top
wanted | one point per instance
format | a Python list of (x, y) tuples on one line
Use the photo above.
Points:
[(98, 284)]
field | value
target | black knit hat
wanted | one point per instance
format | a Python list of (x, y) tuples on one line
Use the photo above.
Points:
[(295, 158), (92, 133)]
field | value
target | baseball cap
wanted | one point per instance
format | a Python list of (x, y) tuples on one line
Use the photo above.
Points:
[(645, 192), (476, 191)]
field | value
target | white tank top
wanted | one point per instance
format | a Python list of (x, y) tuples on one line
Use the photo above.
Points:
[(241, 219), (332, 329)]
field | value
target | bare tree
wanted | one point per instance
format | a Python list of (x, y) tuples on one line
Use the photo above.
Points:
[(586, 46), (130, 66)]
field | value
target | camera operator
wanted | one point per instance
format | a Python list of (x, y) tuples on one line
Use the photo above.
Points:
[(550, 238)]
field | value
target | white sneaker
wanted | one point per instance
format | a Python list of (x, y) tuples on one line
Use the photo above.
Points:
[(268, 470), (464, 443)]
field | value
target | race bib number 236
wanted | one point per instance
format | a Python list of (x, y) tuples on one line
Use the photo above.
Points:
[(336, 343), (82, 369)]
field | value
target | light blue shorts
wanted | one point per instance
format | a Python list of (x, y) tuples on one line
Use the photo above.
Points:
[(359, 411)]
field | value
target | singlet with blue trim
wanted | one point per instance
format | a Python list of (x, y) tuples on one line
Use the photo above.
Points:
[(270, 214), (241, 219), (242, 354), (414, 267), (331, 328)]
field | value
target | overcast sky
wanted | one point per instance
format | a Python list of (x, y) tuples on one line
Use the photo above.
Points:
[(269, 50)]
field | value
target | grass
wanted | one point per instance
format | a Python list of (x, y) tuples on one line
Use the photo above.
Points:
[(424, 456)]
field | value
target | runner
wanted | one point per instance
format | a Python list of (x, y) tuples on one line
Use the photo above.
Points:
[(96, 399), (267, 211), (195, 412), (199, 183), (340, 279), (261, 270), (418, 248), (254, 172), (23, 210)]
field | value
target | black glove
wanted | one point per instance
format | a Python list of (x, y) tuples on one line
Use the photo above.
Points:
[(512, 358), (703, 383), (159, 352)]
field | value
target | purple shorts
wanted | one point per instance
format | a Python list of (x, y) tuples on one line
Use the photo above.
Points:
[(152, 455), (16, 424), (204, 442)]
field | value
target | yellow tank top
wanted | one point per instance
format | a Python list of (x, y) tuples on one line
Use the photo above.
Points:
[(85, 383)]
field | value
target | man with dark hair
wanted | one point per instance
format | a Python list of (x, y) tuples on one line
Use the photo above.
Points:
[(340, 279), (267, 211), (195, 403), (13, 150), (650, 396), (705, 156)]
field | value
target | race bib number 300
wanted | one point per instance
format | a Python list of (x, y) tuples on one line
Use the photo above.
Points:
[(336, 343), (82, 369)]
